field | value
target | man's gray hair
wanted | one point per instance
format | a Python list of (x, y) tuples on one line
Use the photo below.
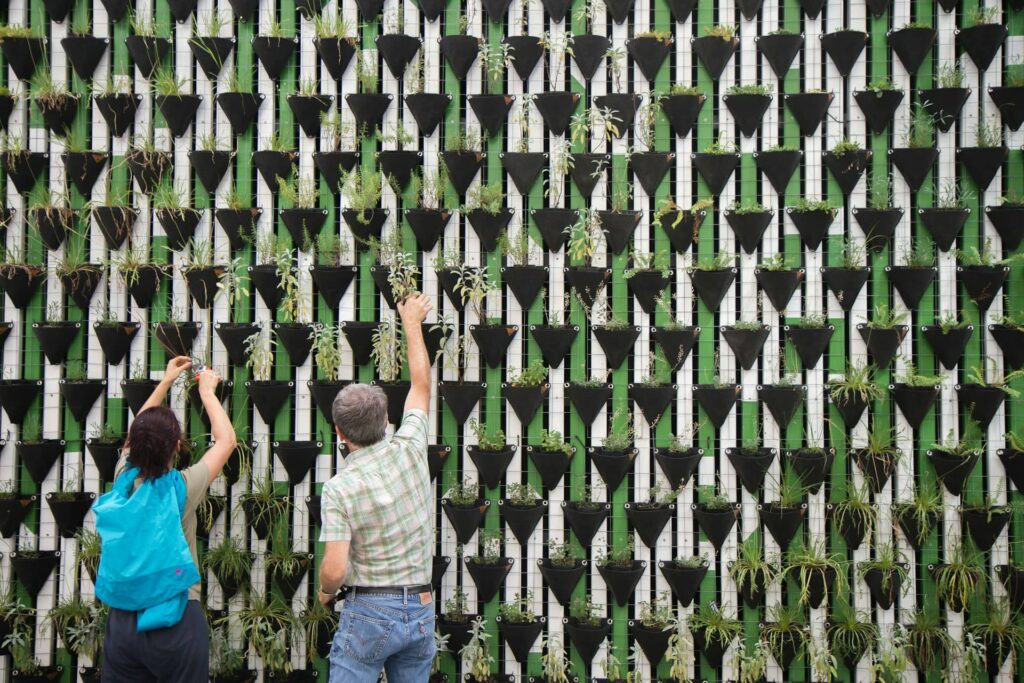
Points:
[(361, 412)]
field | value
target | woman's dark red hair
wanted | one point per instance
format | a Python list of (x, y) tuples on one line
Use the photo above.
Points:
[(153, 441)]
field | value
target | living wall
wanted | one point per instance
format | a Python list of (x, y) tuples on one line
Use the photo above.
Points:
[(728, 333)]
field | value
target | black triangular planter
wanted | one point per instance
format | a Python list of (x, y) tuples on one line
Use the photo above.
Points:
[(588, 400), (233, 336), (179, 111), (273, 53), (914, 164), (524, 168), (239, 225), (211, 52), (848, 167), (650, 168), (55, 339), (13, 511), (399, 165), (682, 227), (526, 51), (649, 522), (623, 106), (588, 51), (17, 396), (912, 45), (176, 338), (147, 52), (398, 51), (428, 225), (551, 465), (885, 585), (714, 53), (1010, 102), (779, 50), (80, 396), (948, 346), (845, 284), (811, 466), (23, 54), (982, 401), (274, 166), (649, 53), (105, 455), (985, 526), (210, 167), (269, 396), (21, 283), (335, 53), (556, 108), (622, 581), (179, 224), (809, 109), (913, 402), (115, 339), (682, 111), (587, 282), (58, 112), (520, 637), (616, 343), (493, 342), (782, 521), (118, 110), (751, 466), (782, 401), (878, 226), (749, 227), (25, 168), (712, 285), (553, 225), (359, 336), (308, 109), (6, 107), (147, 168), (465, 519), (1011, 342), (585, 521), (182, 9), (69, 515), (366, 224), (747, 111), (297, 457), (647, 286), (982, 283), (850, 409), (587, 639), (878, 107), (460, 51), (491, 111), (844, 47), (525, 401), (716, 524), (428, 109), (777, 166), (33, 571), (944, 104), (522, 520), (613, 466), (144, 285), (462, 167), (952, 469), (461, 397), (561, 581), (1013, 462), (745, 344), (489, 226), (554, 341), (137, 391), (652, 641), (882, 344), (396, 393), (1012, 577), (525, 282), (53, 225), (116, 9), (332, 282), (675, 343), (296, 338), (81, 284), (909, 526), (684, 581), (1009, 223), (202, 284), (458, 632), (716, 401), (678, 466), (324, 392), (652, 399), (303, 225), (587, 170), (981, 43), (39, 457), (240, 108), (877, 467), (436, 454), (449, 281), (84, 52), (779, 285), (982, 163)]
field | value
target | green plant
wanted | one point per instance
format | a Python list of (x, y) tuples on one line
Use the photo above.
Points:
[(552, 441), (465, 492), (951, 197), (881, 192), (751, 663), (533, 375), (494, 60), (856, 384), (785, 627), (18, 619), (987, 257), (562, 555), (489, 198), (456, 608), (330, 248), (923, 507), (979, 375), (912, 378), (726, 33), (518, 610), (950, 75), (259, 354), (88, 551), (713, 500), (361, 189), (981, 15), (990, 132), (584, 611), (555, 661), (749, 89), (999, 630), (622, 432), (327, 349), (476, 654), (804, 205), (366, 71), (265, 504), (929, 641), (717, 627), (921, 129), (265, 623), (886, 318), (919, 255), (284, 562), (960, 576), (657, 613), (890, 561), (473, 284), (720, 261), (522, 495), (583, 237), (846, 146), (617, 556)]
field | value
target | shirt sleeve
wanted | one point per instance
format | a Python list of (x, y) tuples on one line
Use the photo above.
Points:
[(413, 429), (197, 482), (334, 520)]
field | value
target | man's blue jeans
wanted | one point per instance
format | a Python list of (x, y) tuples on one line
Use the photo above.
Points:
[(386, 632)]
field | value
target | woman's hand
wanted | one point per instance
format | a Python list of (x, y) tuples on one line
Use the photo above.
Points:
[(175, 367), (208, 381)]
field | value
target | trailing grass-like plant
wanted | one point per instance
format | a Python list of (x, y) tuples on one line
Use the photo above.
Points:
[(751, 570), (960, 577), (852, 634), (1000, 633), (928, 642), (856, 384), (785, 628), (229, 561), (807, 562), (265, 623)]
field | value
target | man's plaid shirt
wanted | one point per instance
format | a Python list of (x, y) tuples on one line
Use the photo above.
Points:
[(382, 502)]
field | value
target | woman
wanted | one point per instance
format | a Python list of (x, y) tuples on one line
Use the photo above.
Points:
[(180, 653)]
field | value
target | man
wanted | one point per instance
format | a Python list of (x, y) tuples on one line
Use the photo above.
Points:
[(378, 527)]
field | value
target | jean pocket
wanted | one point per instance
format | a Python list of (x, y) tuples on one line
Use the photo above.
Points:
[(366, 637), (425, 627)]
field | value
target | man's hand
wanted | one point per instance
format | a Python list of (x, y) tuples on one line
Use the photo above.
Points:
[(208, 381), (175, 367), (414, 309), (325, 599)]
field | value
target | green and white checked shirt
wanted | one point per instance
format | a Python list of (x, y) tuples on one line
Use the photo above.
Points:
[(382, 503)]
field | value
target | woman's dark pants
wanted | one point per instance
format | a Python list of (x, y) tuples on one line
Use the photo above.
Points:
[(179, 654)]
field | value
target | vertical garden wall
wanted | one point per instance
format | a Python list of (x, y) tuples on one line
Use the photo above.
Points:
[(727, 319)]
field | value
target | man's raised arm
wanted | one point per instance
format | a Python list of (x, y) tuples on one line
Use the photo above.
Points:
[(413, 311)]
